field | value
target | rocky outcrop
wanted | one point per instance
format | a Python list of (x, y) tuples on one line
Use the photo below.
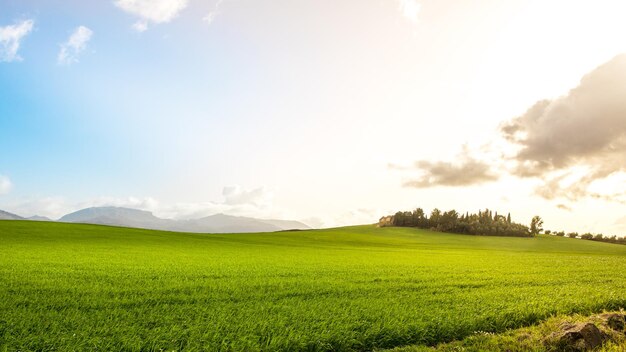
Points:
[(588, 335), (615, 321), (579, 337)]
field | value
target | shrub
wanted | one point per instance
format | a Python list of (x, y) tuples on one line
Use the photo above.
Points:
[(586, 236)]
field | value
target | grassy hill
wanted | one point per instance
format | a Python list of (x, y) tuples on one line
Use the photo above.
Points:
[(79, 287)]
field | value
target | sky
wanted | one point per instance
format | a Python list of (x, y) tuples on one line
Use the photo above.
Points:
[(333, 113)]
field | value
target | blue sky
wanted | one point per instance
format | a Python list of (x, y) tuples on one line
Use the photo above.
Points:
[(334, 113), (119, 114)]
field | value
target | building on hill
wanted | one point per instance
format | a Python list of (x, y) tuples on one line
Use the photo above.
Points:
[(385, 221)]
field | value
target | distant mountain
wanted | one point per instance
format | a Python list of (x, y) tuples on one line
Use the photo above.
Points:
[(8, 216), (117, 217), (287, 224), (39, 218), (218, 223)]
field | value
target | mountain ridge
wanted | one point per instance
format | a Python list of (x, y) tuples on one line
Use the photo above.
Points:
[(217, 223), (5, 215)]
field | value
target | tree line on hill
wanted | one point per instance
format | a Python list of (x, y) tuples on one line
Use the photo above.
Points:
[(589, 236), (486, 223)]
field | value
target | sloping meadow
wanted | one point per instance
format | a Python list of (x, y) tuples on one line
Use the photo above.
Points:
[(84, 287)]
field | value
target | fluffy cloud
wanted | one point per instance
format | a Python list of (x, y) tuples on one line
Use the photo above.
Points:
[(442, 173), (140, 26), (465, 171), (587, 124), (5, 185), (210, 17), (145, 203), (564, 207), (409, 9), (152, 11), (77, 42), (10, 39), (235, 195), (51, 207), (237, 201), (585, 129)]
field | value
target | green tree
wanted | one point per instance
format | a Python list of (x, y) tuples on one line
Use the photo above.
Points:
[(420, 218), (536, 225), (435, 218), (483, 223), (449, 220), (587, 236)]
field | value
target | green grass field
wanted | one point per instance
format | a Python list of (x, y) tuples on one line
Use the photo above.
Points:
[(84, 287)]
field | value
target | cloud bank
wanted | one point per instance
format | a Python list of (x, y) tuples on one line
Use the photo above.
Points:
[(74, 46), (569, 143), (152, 11), (10, 39), (588, 125), (237, 201), (585, 129)]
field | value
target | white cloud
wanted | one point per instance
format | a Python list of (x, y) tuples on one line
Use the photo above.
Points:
[(51, 207), (409, 9), (152, 11), (237, 201), (210, 17), (140, 26), (10, 39), (77, 42), (143, 203), (202, 209), (5, 185), (235, 195)]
